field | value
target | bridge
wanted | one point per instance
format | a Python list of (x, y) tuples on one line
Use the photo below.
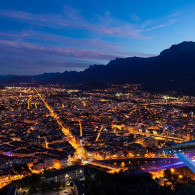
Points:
[(188, 162), (179, 150)]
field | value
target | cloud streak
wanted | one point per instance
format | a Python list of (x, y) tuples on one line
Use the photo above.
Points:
[(106, 25), (103, 25), (170, 22), (59, 51), (154, 24)]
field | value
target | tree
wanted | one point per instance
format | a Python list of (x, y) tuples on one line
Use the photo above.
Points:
[(168, 174), (32, 190), (184, 189), (63, 185)]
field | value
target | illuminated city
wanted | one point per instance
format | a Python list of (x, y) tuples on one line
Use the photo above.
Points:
[(120, 128), (97, 97)]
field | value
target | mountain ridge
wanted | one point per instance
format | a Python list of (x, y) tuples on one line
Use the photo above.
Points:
[(172, 69)]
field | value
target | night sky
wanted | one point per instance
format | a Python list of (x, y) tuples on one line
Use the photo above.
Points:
[(38, 36)]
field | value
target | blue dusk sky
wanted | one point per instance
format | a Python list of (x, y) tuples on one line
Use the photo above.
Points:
[(38, 36)]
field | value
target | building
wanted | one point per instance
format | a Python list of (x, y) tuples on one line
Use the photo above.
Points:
[(150, 142), (67, 174), (78, 188)]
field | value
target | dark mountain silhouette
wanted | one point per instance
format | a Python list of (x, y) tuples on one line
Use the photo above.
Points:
[(173, 69)]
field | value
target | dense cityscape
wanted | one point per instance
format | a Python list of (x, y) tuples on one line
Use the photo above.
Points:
[(97, 97), (120, 129)]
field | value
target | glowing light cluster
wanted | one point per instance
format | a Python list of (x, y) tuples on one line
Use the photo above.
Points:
[(71, 139)]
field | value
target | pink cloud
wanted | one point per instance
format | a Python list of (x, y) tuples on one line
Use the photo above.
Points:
[(92, 49), (59, 51), (101, 24)]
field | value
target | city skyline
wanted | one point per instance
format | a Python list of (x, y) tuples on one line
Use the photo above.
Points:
[(40, 36)]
